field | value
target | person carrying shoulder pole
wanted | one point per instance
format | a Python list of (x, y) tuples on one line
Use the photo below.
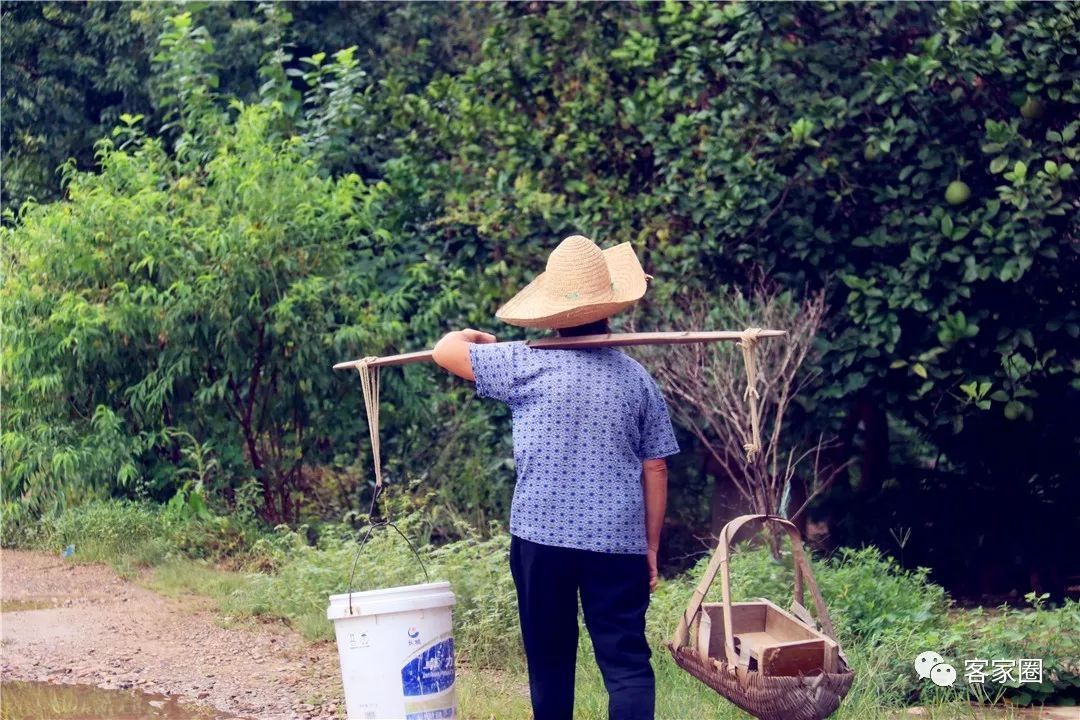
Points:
[(591, 430)]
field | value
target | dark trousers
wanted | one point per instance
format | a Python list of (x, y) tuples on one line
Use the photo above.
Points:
[(614, 596)]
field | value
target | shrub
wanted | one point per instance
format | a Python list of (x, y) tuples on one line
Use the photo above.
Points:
[(183, 296), (130, 534), (125, 534), (485, 614), (171, 299)]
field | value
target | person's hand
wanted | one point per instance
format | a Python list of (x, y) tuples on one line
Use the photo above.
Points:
[(452, 351), (650, 557), (475, 336)]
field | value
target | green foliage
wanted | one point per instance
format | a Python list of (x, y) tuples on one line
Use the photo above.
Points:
[(235, 281), (129, 534), (180, 576), (71, 69), (181, 301), (1009, 633), (125, 533), (478, 572), (813, 142), (306, 575), (871, 594), (695, 130)]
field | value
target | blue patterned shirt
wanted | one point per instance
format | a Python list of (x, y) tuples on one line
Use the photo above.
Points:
[(584, 420)]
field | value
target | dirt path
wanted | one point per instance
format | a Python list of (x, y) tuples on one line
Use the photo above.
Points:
[(71, 623)]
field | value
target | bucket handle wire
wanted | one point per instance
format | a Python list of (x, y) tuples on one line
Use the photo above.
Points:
[(369, 382), (384, 522)]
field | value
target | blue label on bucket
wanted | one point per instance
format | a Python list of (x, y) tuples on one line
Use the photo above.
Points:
[(431, 671), (440, 714)]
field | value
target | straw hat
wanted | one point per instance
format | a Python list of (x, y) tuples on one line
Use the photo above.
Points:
[(582, 284)]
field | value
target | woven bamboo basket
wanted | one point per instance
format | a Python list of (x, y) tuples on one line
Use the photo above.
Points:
[(773, 664)]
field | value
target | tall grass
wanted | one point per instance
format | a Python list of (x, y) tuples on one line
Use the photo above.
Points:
[(485, 612), (124, 534)]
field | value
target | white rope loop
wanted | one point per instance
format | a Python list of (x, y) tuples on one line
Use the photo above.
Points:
[(748, 341), (369, 383)]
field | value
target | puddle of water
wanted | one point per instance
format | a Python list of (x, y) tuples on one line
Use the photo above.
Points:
[(20, 605), (45, 701)]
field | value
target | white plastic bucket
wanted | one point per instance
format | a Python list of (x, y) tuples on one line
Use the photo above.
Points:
[(397, 652)]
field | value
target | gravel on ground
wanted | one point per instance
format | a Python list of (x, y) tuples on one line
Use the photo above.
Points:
[(72, 623)]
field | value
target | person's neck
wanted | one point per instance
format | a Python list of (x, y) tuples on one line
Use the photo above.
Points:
[(595, 328)]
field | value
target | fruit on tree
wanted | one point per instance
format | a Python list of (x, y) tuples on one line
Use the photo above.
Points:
[(957, 193), (1033, 108)]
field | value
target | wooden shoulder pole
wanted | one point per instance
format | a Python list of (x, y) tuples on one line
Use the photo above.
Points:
[(585, 341)]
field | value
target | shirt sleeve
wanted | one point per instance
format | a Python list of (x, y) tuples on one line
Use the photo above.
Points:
[(657, 434), (493, 366)]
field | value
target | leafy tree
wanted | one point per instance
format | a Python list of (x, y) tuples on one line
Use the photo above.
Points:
[(72, 68), (200, 295)]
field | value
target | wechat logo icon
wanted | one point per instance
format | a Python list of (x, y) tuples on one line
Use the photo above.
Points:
[(930, 665)]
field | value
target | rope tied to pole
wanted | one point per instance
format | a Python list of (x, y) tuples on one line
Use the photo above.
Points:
[(369, 383), (748, 341)]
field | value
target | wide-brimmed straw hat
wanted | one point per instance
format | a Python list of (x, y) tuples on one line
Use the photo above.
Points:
[(582, 284)]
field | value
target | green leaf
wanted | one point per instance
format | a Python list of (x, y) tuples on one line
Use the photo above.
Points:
[(946, 224), (1013, 409)]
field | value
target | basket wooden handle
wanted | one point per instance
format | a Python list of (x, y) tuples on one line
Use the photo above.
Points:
[(720, 562)]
